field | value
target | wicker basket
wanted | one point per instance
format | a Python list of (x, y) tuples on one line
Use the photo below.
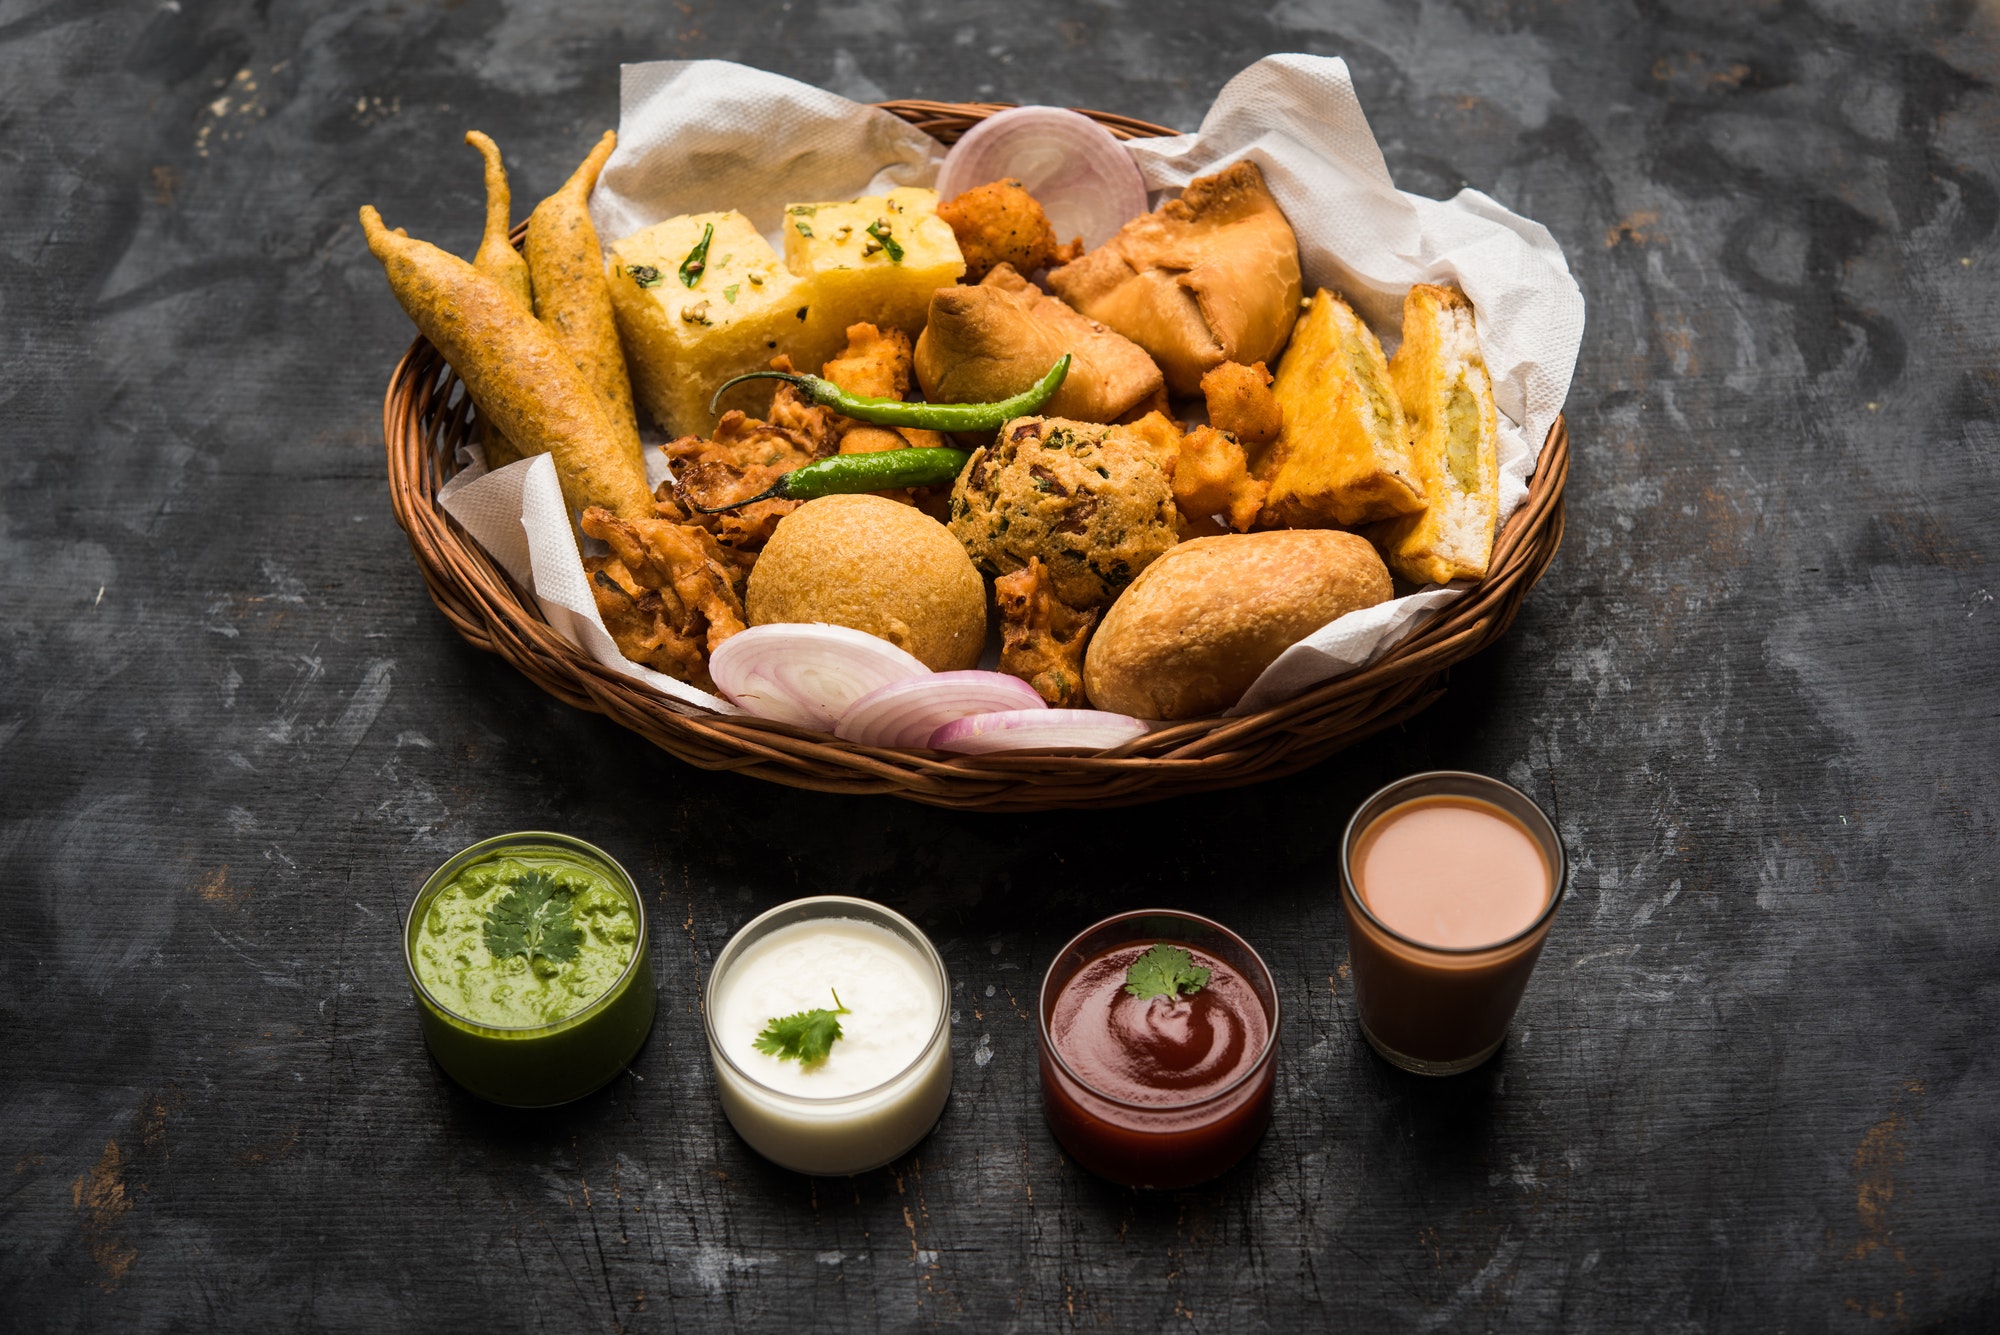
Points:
[(426, 416)]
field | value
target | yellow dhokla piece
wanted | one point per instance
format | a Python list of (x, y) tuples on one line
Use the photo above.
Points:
[(683, 341), (876, 260), (1447, 396), (1342, 456)]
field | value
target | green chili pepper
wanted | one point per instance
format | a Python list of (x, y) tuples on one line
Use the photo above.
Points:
[(697, 259), (929, 416), (847, 473)]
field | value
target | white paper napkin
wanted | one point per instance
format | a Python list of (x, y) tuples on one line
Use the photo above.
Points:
[(703, 135)]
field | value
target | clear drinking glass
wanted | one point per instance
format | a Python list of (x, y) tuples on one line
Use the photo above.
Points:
[(1439, 1010)]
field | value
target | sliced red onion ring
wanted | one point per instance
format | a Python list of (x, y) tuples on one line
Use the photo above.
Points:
[(906, 713), (806, 674), (1037, 730), (1084, 179)]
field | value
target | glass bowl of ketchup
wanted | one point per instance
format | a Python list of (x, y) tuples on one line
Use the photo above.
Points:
[(1149, 1088)]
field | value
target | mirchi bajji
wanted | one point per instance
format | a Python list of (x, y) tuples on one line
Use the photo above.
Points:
[(566, 267), (515, 371)]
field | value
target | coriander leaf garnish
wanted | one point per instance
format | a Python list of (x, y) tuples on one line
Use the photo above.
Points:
[(805, 1038), (1165, 971), (729, 293), (645, 275), (879, 229), (534, 918), (697, 259)]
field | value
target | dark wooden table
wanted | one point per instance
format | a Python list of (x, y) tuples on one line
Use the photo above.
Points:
[(1753, 1085)]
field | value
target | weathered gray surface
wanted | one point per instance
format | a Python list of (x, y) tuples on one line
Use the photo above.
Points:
[(1753, 1085)]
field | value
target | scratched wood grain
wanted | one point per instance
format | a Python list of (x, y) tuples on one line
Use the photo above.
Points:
[(1751, 1087)]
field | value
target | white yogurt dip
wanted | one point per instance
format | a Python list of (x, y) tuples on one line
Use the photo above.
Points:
[(884, 1082)]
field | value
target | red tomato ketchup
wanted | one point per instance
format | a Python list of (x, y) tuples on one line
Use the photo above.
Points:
[(1157, 1090)]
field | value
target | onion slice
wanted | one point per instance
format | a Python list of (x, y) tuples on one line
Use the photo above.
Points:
[(906, 713), (1083, 178), (806, 675), (1038, 730)]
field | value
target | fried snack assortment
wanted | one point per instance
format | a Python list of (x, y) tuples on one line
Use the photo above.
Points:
[(1116, 537)]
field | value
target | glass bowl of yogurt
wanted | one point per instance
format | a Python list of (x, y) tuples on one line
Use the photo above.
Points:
[(782, 989), (528, 958)]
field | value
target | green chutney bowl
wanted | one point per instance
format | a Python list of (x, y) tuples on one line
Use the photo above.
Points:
[(551, 1060)]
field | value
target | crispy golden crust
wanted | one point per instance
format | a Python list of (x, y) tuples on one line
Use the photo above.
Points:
[(1454, 430), (1001, 223), (875, 363), (1210, 277), (878, 567), (646, 623), (566, 266), (665, 556), (1193, 632), (995, 340), (1092, 502), (1341, 456), (1240, 402), (1212, 478), (496, 256), (1042, 639), (519, 377)]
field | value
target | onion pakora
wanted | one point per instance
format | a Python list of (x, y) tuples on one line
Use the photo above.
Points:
[(676, 559), (1042, 639), (1240, 402), (1212, 483)]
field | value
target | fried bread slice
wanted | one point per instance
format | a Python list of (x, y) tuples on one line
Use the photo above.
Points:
[(1447, 397), (1341, 457)]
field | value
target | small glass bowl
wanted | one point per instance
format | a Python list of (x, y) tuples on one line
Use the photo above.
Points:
[(541, 1065), (1153, 1144), (848, 1133)]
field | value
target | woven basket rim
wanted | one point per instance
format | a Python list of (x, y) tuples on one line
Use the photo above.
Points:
[(426, 416)]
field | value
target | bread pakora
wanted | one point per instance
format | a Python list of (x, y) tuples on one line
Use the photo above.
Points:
[(1192, 633), (1210, 277), (1042, 639), (1001, 223), (1454, 429), (1240, 402), (1089, 500), (1341, 457), (993, 341)]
